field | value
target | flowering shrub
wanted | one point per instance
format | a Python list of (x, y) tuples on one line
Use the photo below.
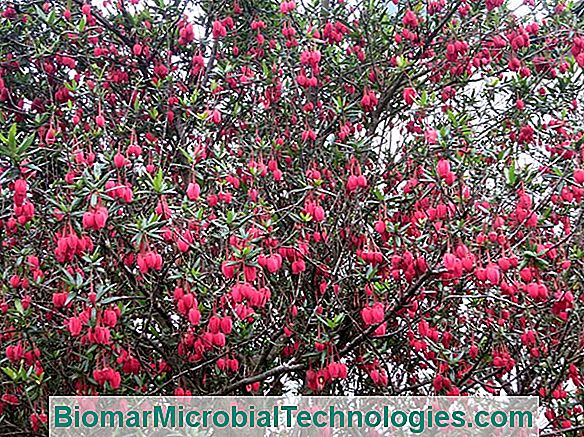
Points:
[(235, 197)]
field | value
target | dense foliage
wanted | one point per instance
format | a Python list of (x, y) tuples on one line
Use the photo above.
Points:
[(332, 197)]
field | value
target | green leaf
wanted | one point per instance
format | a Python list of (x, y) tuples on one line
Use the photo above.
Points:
[(82, 24), (12, 137), (18, 306), (379, 195), (230, 217), (338, 320), (10, 372), (511, 176), (424, 98), (158, 181), (25, 145), (305, 217), (186, 154), (40, 13)]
